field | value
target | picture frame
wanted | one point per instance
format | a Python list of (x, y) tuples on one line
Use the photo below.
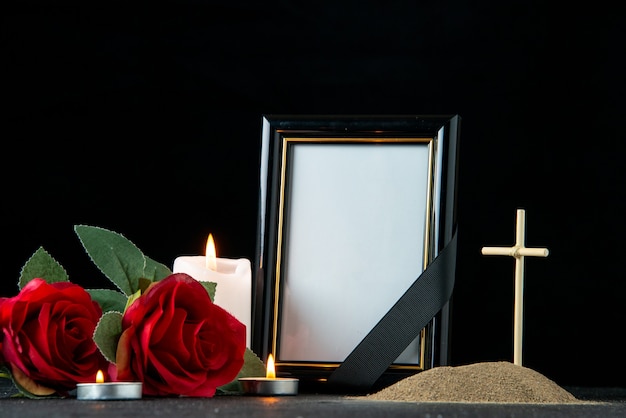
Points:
[(352, 209)]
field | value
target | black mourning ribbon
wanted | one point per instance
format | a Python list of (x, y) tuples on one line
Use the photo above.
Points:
[(400, 325)]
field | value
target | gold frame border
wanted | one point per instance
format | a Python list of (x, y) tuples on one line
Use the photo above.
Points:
[(431, 141)]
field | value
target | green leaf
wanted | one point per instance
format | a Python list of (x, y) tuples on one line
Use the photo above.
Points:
[(252, 367), (109, 300), (118, 258), (14, 392), (107, 334), (8, 392), (132, 298), (4, 373), (156, 271), (42, 265), (144, 284), (28, 388), (210, 287)]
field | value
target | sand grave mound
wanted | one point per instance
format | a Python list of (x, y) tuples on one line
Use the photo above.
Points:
[(500, 382)]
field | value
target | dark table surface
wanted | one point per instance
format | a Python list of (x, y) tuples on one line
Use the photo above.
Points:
[(599, 402)]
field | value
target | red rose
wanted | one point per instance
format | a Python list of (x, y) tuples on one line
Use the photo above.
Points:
[(46, 337), (177, 342)]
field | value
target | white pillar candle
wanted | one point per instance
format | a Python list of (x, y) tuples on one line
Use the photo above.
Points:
[(234, 284)]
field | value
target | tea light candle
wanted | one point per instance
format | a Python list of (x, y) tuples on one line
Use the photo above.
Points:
[(101, 391), (270, 385), (233, 278)]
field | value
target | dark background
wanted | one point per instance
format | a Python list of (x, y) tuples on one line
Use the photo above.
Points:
[(145, 119)]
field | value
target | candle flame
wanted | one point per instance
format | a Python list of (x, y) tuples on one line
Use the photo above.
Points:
[(99, 377), (211, 257), (271, 369)]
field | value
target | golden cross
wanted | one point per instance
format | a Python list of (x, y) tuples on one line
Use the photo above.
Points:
[(519, 251)]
